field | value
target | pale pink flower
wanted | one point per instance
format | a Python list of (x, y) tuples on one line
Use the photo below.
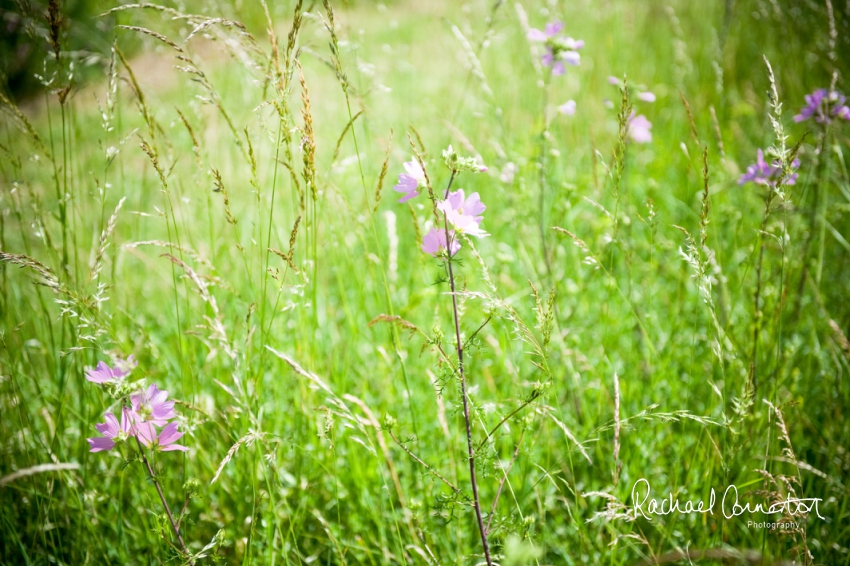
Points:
[(465, 224), (112, 431), (104, 374), (639, 128), (434, 242), (409, 183), (568, 108), (151, 406), (646, 96), (167, 437), (463, 205)]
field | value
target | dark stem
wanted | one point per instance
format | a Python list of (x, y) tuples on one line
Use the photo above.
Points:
[(164, 503), (757, 299), (471, 452)]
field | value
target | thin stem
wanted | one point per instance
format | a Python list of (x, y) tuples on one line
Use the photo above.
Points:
[(164, 503), (430, 469), (471, 452), (502, 481)]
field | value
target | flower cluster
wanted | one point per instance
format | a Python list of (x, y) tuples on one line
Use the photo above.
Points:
[(768, 174), (141, 412), (462, 214), (823, 106), (559, 50)]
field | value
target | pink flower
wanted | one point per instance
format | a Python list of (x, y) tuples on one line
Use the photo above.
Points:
[(151, 406), (568, 108), (646, 96), (112, 431), (167, 437), (434, 242), (465, 224), (410, 182), (612, 80), (639, 127), (559, 50), (459, 202), (104, 374)]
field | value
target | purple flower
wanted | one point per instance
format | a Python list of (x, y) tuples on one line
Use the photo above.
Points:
[(823, 106), (559, 50), (612, 80), (434, 242), (764, 173), (104, 374), (646, 96), (151, 406), (568, 108), (112, 431), (167, 437), (410, 182), (638, 128)]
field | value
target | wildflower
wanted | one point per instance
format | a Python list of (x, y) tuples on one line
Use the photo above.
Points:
[(612, 80), (469, 206), (764, 173), (568, 108), (646, 96), (167, 437), (105, 374), (151, 406), (823, 106), (465, 224), (559, 50), (639, 127), (410, 182), (112, 431), (434, 242)]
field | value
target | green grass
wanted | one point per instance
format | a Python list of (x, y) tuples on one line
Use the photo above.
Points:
[(317, 477)]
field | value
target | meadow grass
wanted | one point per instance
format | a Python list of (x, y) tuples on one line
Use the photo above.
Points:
[(220, 206)]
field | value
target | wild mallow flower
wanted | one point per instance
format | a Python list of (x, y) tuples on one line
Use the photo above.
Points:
[(434, 242), (559, 50), (167, 437), (764, 173), (638, 128), (112, 431), (465, 206), (823, 106), (150, 406), (105, 374), (410, 182), (568, 108)]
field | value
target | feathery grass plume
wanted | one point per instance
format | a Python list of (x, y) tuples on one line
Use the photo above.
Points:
[(341, 137), (288, 257), (24, 124), (140, 95), (623, 117), (218, 187), (54, 22), (717, 133), (383, 174), (104, 237), (196, 147), (687, 106), (187, 251), (39, 469), (336, 64), (472, 59), (46, 277), (308, 142)]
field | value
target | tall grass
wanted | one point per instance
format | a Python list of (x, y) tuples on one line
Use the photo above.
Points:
[(219, 206)]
